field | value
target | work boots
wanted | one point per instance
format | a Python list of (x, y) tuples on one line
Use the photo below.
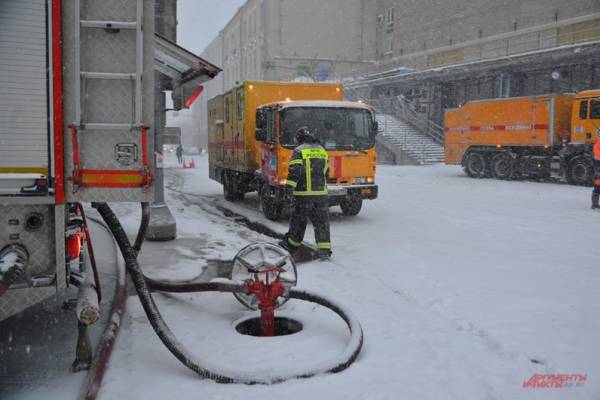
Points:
[(284, 243), (324, 254), (595, 197)]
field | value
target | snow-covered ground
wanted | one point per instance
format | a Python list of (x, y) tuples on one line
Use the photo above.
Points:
[(465, 288)]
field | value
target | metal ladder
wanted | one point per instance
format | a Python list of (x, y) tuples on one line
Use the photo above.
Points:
[(81, 77)]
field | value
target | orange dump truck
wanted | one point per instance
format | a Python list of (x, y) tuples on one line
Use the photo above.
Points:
[(548, 136), (251, 140)]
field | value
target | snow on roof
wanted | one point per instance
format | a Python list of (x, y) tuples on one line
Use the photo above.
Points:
[(588, 93), (323, 104)]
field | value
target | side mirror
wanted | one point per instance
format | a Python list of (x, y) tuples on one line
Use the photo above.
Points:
[(261, 119), (260, 135), (375, 127)]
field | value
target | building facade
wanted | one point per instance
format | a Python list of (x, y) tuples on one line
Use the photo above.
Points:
[(434, 55), (439, 55), (283, 40)]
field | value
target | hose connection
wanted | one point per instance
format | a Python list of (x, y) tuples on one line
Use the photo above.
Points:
[(13, 261)]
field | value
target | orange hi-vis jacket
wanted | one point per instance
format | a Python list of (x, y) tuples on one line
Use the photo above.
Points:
[(597, 150), (597, 163)]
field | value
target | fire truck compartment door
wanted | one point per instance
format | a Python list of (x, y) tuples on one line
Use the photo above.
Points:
[(24, 126)]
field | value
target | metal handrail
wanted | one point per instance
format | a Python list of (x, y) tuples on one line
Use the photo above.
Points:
[(419, 121), (490, 47), (400, 107)]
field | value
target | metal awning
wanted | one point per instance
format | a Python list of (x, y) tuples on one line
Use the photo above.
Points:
[(546, 58), (185, 69)]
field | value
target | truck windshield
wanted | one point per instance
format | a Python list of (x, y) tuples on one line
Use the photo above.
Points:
[(335, 128)]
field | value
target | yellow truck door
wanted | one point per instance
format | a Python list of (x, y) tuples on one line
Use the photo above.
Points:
[(585, 121), (593, 122)]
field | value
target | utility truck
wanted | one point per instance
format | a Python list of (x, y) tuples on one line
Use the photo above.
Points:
[(251, 140), (548, 136)]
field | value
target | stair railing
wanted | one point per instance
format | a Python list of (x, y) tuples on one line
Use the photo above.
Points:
[(404, 109)]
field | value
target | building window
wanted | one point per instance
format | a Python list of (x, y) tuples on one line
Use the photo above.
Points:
[(389, 43), (503, 86), (257, 64), (389, 16)]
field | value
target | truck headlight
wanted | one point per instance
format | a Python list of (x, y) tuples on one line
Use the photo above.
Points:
[(361, 180)]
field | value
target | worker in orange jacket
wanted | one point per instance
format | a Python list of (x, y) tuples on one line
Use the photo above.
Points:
[(596, 191)]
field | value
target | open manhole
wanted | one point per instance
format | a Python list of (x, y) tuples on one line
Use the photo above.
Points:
[(283, 326)]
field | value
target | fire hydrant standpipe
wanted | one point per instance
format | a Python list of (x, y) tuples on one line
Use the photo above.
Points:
[(222, 375), (267, 294)]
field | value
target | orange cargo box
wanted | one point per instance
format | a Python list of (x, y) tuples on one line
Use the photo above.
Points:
[(523, 121), (232, 122)]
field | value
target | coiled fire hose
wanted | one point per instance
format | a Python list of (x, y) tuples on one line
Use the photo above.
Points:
[(221, 375)]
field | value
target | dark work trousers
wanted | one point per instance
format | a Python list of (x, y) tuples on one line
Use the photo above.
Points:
[(315, 208), (596, 190), (596, 195)]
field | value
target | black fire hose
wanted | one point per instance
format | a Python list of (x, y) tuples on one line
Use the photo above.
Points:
[(92, 255), (141, 235), (142, 285)]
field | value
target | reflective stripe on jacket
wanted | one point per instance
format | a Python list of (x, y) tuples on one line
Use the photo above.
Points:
[(308, 170)]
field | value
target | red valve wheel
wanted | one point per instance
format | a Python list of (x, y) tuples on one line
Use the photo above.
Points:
[(265, 262)]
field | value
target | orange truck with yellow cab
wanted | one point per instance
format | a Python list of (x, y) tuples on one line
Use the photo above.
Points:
[(251, 140), (547, 136)]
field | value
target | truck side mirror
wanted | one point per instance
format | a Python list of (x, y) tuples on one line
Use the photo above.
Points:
[(261, 135), (261, 119), (375, 127)]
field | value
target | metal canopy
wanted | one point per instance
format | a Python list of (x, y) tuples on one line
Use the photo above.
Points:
[(547, 58), (185, 69)]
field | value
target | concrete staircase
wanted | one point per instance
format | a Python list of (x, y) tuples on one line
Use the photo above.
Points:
[(418, 147)]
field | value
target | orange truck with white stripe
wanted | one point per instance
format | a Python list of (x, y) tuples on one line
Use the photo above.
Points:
[(251, 140), (548, 136)]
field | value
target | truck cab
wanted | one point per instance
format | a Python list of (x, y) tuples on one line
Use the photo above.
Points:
[(345, 129), (585, 118)]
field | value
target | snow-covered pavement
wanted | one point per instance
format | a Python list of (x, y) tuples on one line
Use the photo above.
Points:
[(465, 289)]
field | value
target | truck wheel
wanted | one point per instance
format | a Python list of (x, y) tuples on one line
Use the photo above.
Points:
[(351, 207), (502, 166), (580, 171), (271, 208), (476, 165)]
